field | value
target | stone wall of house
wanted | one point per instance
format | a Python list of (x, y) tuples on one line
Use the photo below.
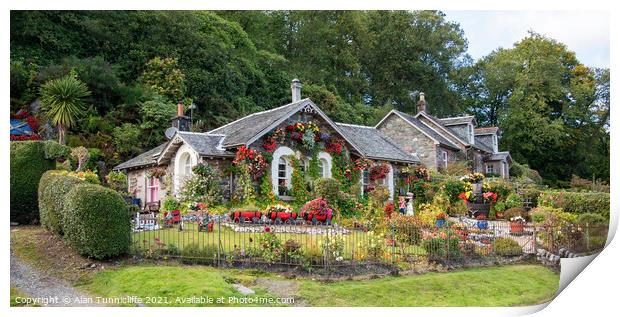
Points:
[(477, 164), (138, 181), (497, 168), (453, 156), (410, 140)]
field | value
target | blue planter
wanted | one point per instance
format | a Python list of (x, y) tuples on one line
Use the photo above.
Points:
[(482, 224), (440, 223)]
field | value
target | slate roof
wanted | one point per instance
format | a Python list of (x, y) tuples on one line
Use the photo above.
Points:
[(489, 130), (428, 130), (205, 144), (242, 130), (374, 144), (147, 158), (481, 146), (499, 156), (456, 120)]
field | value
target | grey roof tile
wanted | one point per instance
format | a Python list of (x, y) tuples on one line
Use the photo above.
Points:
[(242, 130), (205, 144), (428, 130), (374, 144), (488, 130), (457, 120), (147, 158)]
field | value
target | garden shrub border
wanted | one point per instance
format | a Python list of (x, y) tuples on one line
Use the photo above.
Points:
[(576, 202), (53, 189)]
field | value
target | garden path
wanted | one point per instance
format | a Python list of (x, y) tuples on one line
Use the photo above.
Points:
[(37, 284)]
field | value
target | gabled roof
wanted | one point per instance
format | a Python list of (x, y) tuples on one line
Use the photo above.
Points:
[(147, 158), (375, 145), (242, 130), (202, 143), (441, 129), (422, 127), (481, 146), (458, 120), (489, 130), (250, 128), (499, 156)]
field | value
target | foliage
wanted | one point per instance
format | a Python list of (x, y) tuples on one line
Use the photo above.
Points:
[(202, 186), (299, 189), (506, 247), (252, 160), (96, 221), (442, 245), (163, 76), (592, 218), (457, 168), (333, 246), (580, 184), (453, 188), (55, 151), (28, 163), (515, 212), (328, 188), (266, 190), (170, 203), (117, 181), (194, 253), (81, 155), (316, 207), (552, 216), (427, 214), (62, 100), (244, 191), (270, 247), (88, 176), (407, 229), (459, 208), (127, 139), (53, 189), (576, 202)]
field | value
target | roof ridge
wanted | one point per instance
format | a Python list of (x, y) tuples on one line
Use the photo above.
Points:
[(354, 125), (459, 117), (257, 113)]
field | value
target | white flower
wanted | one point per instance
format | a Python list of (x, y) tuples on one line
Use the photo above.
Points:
[(338, 259)]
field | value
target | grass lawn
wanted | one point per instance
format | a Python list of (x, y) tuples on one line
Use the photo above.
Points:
[(17, 293), (497, 286)]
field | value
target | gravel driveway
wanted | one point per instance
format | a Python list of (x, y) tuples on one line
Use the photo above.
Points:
[(48, 290)]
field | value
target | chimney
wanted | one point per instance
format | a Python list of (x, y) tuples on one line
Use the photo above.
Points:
[(181, 122), (422, 103), (296, 90), (180, 111)]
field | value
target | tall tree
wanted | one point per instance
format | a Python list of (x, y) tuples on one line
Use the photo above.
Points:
[(63, 102)]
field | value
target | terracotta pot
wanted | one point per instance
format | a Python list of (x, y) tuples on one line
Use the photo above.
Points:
[(516, 227)]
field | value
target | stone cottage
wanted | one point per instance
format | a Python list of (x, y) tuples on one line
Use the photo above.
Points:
[(218, 147), (437, 142), (398, 140)]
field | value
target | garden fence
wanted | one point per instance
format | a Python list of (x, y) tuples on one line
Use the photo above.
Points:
[(219, 241)]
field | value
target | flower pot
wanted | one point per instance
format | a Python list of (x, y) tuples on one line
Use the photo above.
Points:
[(440, 223), (482, 224), (516, 227)]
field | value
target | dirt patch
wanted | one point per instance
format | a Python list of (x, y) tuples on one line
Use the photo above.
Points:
[(282, 289), (49, 253)]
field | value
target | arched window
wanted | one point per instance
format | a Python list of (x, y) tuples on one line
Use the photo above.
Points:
[(187, 166), (283, 181), (323, 168)]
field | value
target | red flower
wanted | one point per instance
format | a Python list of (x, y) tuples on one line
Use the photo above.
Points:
[(290, 128), (267, 229)]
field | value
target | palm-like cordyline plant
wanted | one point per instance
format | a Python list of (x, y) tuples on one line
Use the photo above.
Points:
[(63, 102)]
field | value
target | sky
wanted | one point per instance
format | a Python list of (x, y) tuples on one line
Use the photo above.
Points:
[(584, 32)]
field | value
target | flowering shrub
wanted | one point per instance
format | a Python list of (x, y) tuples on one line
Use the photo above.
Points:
[(473, 178), (255, 163), (88, 175), (270, 247), (333, 246), (440, 216), (389, 210), (270, 144), (334, 146), (378, 171), (202, 186), (362, 164), (318, 208), (374, 245), (407, 229), (576, 202), (441, 245), (489, 197), (157, 172), (427, 214)]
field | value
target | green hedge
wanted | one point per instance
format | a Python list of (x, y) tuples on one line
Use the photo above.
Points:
[(96, 221), (576, 202), (53, 189), (29, 160)]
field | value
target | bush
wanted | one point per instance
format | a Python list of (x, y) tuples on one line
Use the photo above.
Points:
[(552, 216), (507, 247), (453, 188), (407, 229), (328, 188), (592, 218), (442, 245), (576, 202), (117, 181), (170, 203), (29, 160), (96, 221), (194, 253), (53, 189)]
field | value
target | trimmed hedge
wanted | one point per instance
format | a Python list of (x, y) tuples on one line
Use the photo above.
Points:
[(29, 160), (53, 189), (96, 221), (576, 202)]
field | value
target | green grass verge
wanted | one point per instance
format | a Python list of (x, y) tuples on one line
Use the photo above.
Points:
[(17, 293), (170, 285), (497, 286)]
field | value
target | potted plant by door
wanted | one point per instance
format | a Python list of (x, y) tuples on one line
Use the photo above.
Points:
[(440, 220), (517, 225)]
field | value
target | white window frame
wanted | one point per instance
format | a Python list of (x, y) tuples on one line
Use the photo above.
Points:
[(471, 133), (444, 155), (364, 180), (491, 170), (495, 145), (283, 162)]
